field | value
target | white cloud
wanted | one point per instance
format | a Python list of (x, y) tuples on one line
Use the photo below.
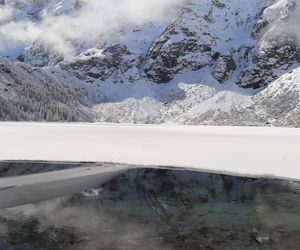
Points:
[(5, 13), (286, 22), (292, 24), (93, 19)]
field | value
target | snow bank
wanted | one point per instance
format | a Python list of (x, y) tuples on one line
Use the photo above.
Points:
[(238, 150)]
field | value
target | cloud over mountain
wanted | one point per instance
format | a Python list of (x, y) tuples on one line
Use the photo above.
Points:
[(81, 20)]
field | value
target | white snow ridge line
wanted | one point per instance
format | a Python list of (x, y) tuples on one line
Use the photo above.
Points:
[(244, 151)]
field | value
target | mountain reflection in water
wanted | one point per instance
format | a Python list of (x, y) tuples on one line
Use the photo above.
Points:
[(162, 209)]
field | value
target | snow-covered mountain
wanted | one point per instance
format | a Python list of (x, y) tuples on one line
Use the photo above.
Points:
[(224, 62)]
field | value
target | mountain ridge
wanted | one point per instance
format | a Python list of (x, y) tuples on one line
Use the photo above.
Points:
[(206, 62)]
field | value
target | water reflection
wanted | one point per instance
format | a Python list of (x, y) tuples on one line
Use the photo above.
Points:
[(162, 209)]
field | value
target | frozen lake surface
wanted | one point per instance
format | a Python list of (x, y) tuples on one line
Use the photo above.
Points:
[(156, 208), (246, 151)]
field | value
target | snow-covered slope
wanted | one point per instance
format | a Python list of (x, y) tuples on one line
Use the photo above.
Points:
[(225, 62)]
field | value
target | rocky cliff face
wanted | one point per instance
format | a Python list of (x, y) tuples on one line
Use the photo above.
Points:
[(222, 37), (278, 48), (204, 35), (191, 67)]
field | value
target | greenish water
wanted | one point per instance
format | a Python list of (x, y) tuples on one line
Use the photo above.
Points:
[(162, 209)]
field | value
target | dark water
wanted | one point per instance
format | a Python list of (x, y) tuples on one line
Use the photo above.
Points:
[(161, 209)]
